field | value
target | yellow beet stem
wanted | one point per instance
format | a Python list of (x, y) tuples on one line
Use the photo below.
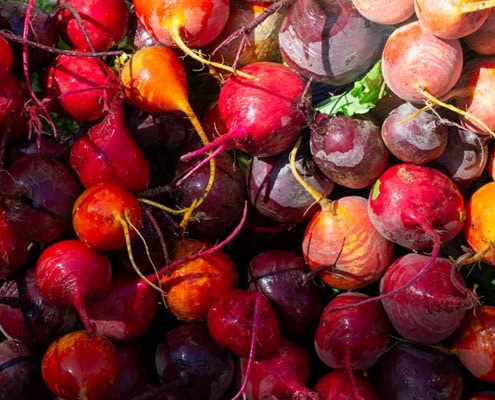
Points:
[(124, 222), (434, 100), (324, 203), (176, 36), (461, 261)]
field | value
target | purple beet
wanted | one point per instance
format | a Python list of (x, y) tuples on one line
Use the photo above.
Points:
[(39, 193), (349, 151), (465, 157), (409, 372), (276, 194), (191, 365), (284, 278), (414, 136), (352, 338), (430, 309), (223, 206), (27, 316), (329, 41)]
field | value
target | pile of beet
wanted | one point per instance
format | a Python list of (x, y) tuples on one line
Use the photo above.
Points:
[(218, 200)]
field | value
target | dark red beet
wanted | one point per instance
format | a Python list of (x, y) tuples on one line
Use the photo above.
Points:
[(352, 338), (276, 194), (465, 157), (80, 87), (408, 372), (414, 136), (42, 29), (105, 23), (13, 97), (283, 277), (6, 57), (431, 308), (19, 372), (485, 395), (127, 311), (68, 273), (48, 147), (338, 385), (191, 365), (39, 193), (341, 148), (283, 375), (108, 153), (222, 207), (29, 317), (79, 365), (14, 249), (329, 41), (235, 317)]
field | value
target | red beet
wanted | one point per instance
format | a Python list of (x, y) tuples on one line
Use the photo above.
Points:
[(263, 118), (68, 273), (127, 310), (408, 372), (480, 40), (13, 97), (329, 41), (108, 153), (191, 365), (29, 317), (283, 375), (239, 315), (352, 338), (284, 278), (341, 148), (7, 57), (80, 365), (338, 385), (434, 306), (80, 87), (485, 395), (105, 22)]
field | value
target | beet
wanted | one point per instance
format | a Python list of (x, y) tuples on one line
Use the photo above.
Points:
[(13, 97), (414, 136), (239, 315), (341, 148), (338, 385), (275, 193), (283, 277), (29, 317), (283, 375), (409, 372), (434, 306), (191, 365), (223, 206), (352, 338), (39, 193), (329, 41)]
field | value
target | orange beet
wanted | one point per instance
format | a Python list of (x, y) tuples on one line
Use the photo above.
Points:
[(342, 243), (479, 229), (192, 287)]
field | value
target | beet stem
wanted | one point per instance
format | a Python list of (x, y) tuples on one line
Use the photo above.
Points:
[(252, 348), (427, 228), (324, 203), (169, 267)]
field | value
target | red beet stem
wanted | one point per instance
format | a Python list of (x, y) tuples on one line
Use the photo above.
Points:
[(154, 277), (87, 322), (225, 141), (427, 228)]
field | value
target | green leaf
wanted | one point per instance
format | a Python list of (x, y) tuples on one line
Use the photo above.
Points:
[(361, 98)]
